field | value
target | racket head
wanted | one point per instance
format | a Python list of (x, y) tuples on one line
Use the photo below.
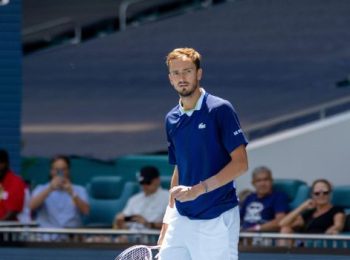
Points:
[(138, 252)]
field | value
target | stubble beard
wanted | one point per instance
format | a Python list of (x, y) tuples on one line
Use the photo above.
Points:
[(187, 92)]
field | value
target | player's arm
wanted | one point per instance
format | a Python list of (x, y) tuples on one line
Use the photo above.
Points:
[(174, 182), (235, 168)]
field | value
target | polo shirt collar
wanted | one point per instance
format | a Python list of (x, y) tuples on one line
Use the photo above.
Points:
[(197, 106)]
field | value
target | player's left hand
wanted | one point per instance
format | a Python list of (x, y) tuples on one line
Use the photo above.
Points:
[(183, 193)]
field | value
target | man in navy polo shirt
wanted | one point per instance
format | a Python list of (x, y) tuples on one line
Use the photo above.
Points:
[(207, 147), (265, 208)]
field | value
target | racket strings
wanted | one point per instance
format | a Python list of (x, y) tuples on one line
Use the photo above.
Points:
[(138, 253)]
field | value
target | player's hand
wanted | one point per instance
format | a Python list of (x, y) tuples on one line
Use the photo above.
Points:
[(183, 193)]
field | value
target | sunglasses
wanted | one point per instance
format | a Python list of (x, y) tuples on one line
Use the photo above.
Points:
[(318, 193)]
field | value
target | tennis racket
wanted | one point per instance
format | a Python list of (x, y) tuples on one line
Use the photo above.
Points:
[(138, 252)]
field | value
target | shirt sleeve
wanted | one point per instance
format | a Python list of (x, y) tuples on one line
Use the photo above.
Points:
[(230, 129), (129, 208), (82, 193), (171, 149), (281, 203)]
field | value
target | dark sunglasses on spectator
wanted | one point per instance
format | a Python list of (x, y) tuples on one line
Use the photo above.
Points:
[(318, 193)]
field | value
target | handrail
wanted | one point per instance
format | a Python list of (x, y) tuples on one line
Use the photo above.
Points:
[(127, 3), (53, 24), (109, 231), (294, 236), (122, 12), (320, 109)]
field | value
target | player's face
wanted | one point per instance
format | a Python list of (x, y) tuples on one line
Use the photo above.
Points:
[(184, 76), (263, 183), (321, 193)]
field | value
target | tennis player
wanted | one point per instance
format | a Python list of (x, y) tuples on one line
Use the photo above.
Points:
[(207, 147)]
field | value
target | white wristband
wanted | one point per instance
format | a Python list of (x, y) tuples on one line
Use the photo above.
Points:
[(169, 214)]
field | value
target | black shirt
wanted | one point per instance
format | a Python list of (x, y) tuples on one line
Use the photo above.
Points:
[(321, 223)]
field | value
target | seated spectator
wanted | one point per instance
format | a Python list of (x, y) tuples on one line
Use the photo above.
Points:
[(315, 215), (12, 189), (263, 209), (59, 203), (146, 209)]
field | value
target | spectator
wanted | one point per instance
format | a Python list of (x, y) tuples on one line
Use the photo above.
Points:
[(59, 203), (146, 209), (315, 215), (12, 189), (263, 209)]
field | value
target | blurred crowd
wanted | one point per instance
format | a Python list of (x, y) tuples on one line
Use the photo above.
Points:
[(59, 203)]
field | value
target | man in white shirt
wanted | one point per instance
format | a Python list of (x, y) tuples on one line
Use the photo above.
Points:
[(146, 209)]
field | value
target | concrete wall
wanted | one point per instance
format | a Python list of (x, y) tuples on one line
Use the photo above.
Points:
[(317, 150)]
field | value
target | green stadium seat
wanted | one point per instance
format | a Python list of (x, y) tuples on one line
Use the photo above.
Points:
[(128, 166), (84, 169), (35, 170), (296, 190), (341, 197), (107, 196)]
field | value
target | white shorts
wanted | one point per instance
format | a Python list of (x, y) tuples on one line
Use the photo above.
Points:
[(213, 239)]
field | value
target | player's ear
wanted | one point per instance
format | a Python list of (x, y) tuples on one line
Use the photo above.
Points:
[(170, 79), (199, 74)]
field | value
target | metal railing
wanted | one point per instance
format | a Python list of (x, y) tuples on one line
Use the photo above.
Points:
[(51, 25), (125, 5), (26, 234), (320, 112)]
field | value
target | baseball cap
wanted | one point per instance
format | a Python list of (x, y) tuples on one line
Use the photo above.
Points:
[(147, 174)]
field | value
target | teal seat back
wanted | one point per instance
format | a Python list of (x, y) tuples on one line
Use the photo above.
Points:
[(296, 190), (36, 170), (129, 166), (106, 203), (84, 169), (106, 187), (341, 197)]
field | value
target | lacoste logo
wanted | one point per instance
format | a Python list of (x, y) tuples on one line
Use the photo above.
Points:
[(202, 126)]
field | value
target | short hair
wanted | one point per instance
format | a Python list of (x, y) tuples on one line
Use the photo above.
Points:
[(328, 184), (260, 169), (60, 157), (190, 53)]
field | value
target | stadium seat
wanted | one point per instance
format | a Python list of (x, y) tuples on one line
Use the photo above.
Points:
[(341, 197), (128, 166), (36, 170), (296, 190), (107, 196), (84, 169)]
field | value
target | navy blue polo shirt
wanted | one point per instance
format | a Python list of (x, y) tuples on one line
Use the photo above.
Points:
[(200, 146), (256, 210)]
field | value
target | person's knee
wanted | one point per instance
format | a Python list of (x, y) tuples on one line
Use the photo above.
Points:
[(286, 230)]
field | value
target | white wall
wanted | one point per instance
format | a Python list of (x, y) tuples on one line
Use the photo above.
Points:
[(316, 150)]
